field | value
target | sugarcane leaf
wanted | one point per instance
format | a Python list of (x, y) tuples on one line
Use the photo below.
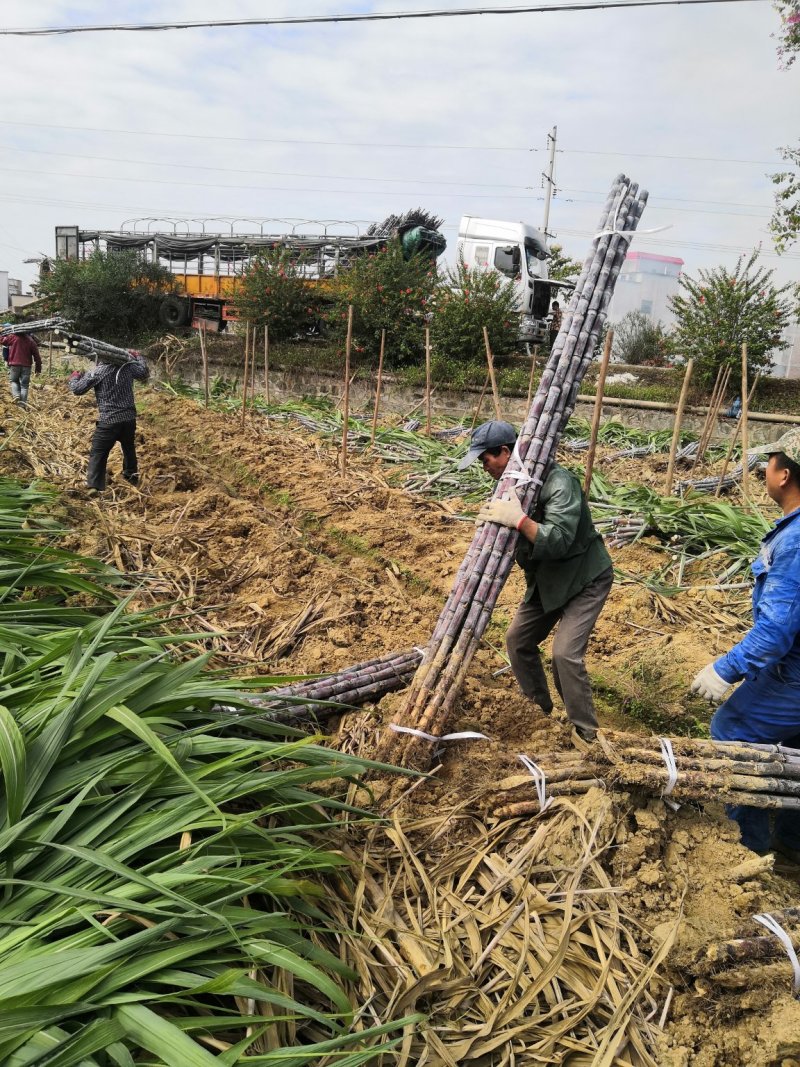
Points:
[(156, 1034), (12, 764), (74, 1048), (137, 726), (280, 956)]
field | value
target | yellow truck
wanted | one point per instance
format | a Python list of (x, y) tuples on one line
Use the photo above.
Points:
[(208, 267)]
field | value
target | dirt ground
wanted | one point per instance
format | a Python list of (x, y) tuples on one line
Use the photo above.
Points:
[(287, 568)]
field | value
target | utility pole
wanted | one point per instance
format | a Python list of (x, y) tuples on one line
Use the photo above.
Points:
[(548, 177)]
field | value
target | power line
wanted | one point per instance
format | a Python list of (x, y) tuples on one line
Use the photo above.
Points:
[(678, 199), (377, 144), (387, 16)]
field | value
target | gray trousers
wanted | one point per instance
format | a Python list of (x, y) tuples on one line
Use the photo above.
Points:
[(576, 621), (20, 378)]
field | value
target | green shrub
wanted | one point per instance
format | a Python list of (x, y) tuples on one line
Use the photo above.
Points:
[(469, 299), (638, 340), (274, 293), (114, 296), (388, 292)]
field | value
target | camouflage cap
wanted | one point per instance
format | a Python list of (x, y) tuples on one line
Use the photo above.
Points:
[(789, 444)]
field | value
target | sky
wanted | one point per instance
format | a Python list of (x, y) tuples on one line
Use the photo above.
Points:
[(354, 122)]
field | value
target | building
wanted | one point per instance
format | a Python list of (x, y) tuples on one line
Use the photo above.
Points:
[(645, 283), (787, 361)]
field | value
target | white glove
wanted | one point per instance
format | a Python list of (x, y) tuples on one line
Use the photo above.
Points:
[(507, 512), (708, 685)]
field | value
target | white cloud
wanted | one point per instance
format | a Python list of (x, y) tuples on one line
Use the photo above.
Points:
[(682, 81)]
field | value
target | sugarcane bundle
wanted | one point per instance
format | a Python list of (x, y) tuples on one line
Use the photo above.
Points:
[(714, 482), (101, 351), (35, 326), (490, 556), (634, 452), (623, 529), (731, 772), (318, 697)]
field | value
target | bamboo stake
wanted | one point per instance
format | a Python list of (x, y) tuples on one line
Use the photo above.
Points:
[(253, 366), (246, 369), (204, 353), (480, 403), (427, 381), (676, 432), (745, 429), (598, 409), (346, 407), (736, 430), (50, 356), (530, 380), (490, 362), (712, 403), (266, 366), (378, 389)]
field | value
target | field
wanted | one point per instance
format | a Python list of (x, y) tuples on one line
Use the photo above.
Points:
[(283, 567)]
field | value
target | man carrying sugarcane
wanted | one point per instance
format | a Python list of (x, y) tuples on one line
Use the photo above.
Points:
[(765, 708), (113, 390), (568, 573), (23, 356)]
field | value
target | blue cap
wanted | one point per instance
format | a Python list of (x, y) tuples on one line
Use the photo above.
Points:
[(490, 434)]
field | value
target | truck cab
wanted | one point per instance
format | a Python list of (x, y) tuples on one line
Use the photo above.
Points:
[(519, 253)]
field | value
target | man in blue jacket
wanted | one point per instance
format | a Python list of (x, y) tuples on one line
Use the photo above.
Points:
[(765, 708)]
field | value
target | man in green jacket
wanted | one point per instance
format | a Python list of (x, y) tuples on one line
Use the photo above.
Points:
[(568, 572)]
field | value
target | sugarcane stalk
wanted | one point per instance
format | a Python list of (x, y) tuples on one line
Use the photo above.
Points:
[(559, 789), (725, 954), (598, 410)]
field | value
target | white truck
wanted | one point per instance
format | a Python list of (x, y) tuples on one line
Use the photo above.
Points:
[(518, 252)]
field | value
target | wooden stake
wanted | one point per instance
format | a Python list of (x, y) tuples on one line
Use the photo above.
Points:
[(204, 353), (266, 365), (50, 357), (598, 410), (745, 428), (378, 389), (676, 432), (427, 381), (701, 443), (735, 438), (346, 406), (480, 403), (253, 366), (246, 370), (490, 362), (530, 382)]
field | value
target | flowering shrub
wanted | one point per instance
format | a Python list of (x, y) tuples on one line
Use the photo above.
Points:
[(640, 341), (789, 35), (469, 299), (273, 293), (388, 293), (721, 310)]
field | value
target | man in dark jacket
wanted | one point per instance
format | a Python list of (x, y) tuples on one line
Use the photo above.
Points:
[(113, 389), (23, 354), (765, 708), (568, 572)]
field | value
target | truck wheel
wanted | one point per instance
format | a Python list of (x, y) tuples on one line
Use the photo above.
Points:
[(174, 312)]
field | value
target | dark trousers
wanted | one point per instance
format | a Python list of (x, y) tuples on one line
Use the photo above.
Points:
[(103, 440), (576, 621)]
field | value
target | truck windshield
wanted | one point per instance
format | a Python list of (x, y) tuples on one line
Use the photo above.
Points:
[(534, 254)]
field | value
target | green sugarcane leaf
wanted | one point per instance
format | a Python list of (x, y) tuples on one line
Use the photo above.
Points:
[(125, 717), (74, 1048), (279, 956), (159, 1036), (12, 763)]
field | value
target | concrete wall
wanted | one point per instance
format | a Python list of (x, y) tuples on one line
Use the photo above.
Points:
[(460, 404)]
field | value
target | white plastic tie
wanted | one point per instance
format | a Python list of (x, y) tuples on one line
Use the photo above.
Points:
[(629, 234), (774, 927), (420, 649), (463, 735), (539, 780), (668, 756)]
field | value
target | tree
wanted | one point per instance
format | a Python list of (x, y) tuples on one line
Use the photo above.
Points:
[(722, 310), (274, 293), (388, 292), (785, 222), (638, 340), (114, 296), (560, 267), (469, 299)]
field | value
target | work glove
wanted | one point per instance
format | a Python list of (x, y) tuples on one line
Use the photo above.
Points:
[(75, 374), (709, 685), (507, 512)]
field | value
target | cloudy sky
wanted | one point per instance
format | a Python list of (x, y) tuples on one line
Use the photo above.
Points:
[(352, 122)]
